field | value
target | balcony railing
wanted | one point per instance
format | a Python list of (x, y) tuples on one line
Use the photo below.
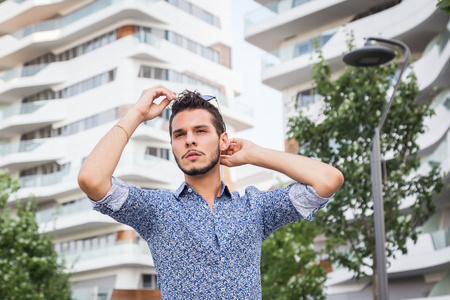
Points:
[(93, 293), (441, 238), (439, 155), (21, 72), (440, 40), (292, 51), (119, 248), (40, 180), (52, 214), (22, 146), (67, 175), (71, 18), (21, 109), (270, 10)]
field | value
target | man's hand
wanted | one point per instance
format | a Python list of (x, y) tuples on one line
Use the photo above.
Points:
[(238, 153), (146, 106), (324, 179)]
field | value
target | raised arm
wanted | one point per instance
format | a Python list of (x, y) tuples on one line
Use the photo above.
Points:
[(94, 177), (325, 179)]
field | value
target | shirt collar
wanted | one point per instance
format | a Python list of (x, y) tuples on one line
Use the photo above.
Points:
[(184, 186)]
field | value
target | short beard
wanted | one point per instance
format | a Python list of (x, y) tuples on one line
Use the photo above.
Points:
[(201, 171)]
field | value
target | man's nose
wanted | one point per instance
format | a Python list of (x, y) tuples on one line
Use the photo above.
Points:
[(190, 139)]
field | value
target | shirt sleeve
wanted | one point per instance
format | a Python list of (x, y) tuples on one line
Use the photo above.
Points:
[(305, 200), (130, 205), (288, 204), (115, 197)]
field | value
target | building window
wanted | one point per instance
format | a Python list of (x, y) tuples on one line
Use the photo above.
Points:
[(76, 51), (158, 152), (170, 75), (308, 97), (149, 281), (74, 89), (196, 11)]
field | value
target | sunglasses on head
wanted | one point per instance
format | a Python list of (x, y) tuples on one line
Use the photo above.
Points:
[(204, 97)]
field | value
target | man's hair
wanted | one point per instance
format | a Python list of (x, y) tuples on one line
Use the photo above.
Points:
[(188, 100)]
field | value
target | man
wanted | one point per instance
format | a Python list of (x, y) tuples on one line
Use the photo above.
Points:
[(205, 240)]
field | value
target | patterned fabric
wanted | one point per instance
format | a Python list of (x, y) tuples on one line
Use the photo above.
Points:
[(201, 255)]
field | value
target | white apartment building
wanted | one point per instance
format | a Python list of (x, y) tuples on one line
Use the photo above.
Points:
[(68, 71), (286, 28)]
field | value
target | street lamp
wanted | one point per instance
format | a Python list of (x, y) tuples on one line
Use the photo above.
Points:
[(374, 55)]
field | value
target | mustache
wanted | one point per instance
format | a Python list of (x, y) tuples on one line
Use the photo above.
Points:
[(192, 150)]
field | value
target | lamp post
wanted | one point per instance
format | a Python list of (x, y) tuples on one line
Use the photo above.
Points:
[(372, 55)]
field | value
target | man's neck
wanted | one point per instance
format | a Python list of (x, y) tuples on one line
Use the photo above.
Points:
[(208, 185)]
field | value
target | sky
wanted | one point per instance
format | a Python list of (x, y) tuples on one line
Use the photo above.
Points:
[(267, 106)]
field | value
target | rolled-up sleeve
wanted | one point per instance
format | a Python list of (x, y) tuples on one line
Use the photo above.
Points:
[(115, 198), (305, 200)]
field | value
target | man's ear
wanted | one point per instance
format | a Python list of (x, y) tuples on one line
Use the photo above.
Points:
[(224, 141)]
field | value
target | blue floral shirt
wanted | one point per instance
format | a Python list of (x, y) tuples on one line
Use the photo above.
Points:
[(201, 255)]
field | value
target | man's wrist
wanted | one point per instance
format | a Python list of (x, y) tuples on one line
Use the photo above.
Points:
[(135, 114)]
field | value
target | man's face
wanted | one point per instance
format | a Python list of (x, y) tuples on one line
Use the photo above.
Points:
[(195, 143)]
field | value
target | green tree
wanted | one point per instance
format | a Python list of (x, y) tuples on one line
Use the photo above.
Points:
[(29, 267), (289, 266), (444, 5), (341, 136)]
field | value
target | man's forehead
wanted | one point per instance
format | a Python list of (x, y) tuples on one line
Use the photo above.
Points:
[(192, 118)]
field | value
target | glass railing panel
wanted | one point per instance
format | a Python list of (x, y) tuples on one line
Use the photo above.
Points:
[(438, 156), (441, 238), (94, 293), (22, 146), (25, 71), (71, 18), (155, 123), (295, 50), (104, 251), (63, 210), (440, 41), (270, 10), (39, 180), (21, 109), (443, 98), (139, 159), (148, 38)]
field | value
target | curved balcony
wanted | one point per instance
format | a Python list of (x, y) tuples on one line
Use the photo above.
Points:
[(267, 27), (149, 170), (423, 257), (20, 118), (17, 14), (27, 154), (23, 81), (436, 125), (419, 15), (32, 40), (119, 254), (71, 218), (287, 53), (433, 68)]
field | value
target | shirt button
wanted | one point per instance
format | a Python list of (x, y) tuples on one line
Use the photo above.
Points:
[(189, 190), (222, 290), (222, 259)]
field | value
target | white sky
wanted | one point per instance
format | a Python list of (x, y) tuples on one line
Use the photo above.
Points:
[(268, 128)]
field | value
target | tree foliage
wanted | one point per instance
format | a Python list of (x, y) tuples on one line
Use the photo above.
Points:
[(289, 266), (341, 136), (444, 5), (29, 267)]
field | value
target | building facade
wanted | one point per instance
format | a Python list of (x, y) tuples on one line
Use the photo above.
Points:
[(68, 71), (286, 30)]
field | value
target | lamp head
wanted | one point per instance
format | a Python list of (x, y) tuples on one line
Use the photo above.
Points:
[(369, 56)]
